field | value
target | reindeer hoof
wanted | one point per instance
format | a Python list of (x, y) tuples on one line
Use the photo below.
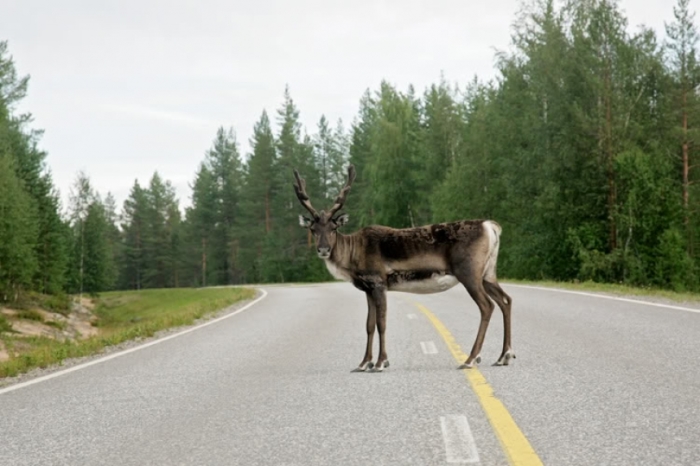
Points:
[(505, 359), (364, 367), (470, 365), (380, 366)]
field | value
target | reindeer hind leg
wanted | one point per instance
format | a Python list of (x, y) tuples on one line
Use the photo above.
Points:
[(473, 283), (495, 292), (380, 302)]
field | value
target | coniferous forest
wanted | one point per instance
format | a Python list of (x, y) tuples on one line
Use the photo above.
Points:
[(583, 148)]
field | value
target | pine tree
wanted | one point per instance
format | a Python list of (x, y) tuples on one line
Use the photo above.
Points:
[(224, 163), (136, 233), (338, 160), (360, 154), (256, 199), (18, 233), (174, 261), (97, 260), (261, 168), (50, 249), (442, 129), (290, 247), (395, 159), (81, 197), (12, 88), (200, 224), (331, 154), (114, 242), (52, 242), (323, 146), (682, 48), (156, 244)]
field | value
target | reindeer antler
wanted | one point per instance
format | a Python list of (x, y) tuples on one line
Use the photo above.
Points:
[(300, 189), (340, 200)]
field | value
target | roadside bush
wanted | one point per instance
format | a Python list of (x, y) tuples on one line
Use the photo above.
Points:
[(674, 267), (4, 324)]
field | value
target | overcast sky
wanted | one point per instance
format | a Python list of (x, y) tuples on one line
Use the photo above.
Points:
[(123, 88)]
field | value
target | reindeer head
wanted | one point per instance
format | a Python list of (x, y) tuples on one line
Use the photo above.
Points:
[(323, 225)]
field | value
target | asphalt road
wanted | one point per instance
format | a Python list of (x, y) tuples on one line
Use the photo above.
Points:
[(595, 382)]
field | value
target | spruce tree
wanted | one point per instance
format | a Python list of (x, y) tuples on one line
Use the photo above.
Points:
[(18, 234)]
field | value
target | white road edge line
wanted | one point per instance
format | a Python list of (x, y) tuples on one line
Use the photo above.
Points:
[(635, 301), (428, 347), (412, 316), (127, 351), (460, 446)]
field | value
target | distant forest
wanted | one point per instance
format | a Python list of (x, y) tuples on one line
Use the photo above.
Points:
[(584, 148)]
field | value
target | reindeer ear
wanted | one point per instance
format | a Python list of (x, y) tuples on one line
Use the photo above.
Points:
[(305, 222), (342, 219)]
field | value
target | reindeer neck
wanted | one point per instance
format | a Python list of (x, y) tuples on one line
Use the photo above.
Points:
[(343, 250)]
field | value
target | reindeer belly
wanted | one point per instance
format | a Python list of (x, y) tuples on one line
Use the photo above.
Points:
[(420, 281)]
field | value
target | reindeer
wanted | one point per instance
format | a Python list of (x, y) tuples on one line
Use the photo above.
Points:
[(427, 259)]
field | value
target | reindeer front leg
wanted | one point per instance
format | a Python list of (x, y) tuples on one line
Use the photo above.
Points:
[(374, 286), (379, 296), (371, 325)]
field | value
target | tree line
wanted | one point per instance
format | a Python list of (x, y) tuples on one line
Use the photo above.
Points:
[(583, 148)]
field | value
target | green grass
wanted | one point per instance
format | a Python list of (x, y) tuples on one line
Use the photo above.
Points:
[(5, 326), (30, 314), (56, 303), (121, 316), (615, 289)]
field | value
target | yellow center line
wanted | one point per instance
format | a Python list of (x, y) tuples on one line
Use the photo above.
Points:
[(516, 446)]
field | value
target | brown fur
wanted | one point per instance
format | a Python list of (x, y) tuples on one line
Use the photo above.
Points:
[(432, 247)]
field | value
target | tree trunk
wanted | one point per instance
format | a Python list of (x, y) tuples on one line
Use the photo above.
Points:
[(267, 212), (612, 190), (204, 261), (82, 256), (138, 258), (686, 171)]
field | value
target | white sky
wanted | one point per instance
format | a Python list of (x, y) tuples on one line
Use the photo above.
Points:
[(124, 87)]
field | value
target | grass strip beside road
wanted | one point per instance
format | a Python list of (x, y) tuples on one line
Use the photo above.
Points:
[(515, 445), (122, 316), (613, 289)]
